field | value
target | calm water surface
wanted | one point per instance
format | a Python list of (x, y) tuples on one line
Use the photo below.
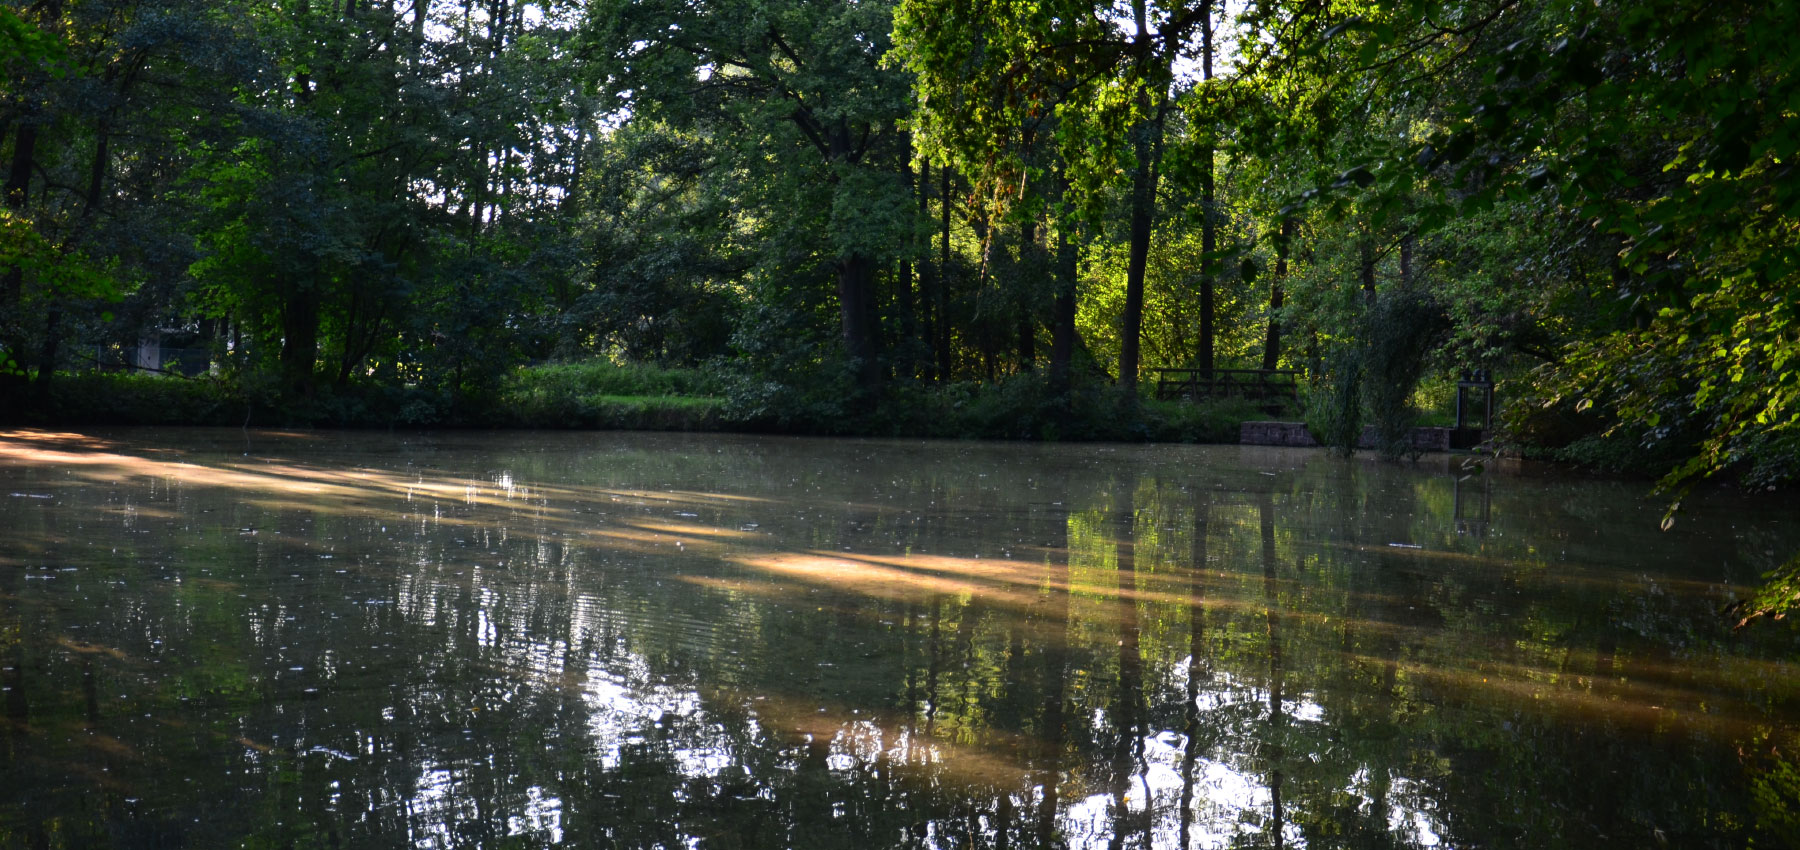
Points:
[(221, 638)]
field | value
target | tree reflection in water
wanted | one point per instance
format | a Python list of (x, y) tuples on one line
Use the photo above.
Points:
[(642, 641)]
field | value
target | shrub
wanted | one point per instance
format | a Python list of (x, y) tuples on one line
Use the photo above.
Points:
[(136, 398)]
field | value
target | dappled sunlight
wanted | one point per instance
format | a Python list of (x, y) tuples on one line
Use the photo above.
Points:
[(688, 530), (680, 627), (326, 484), (875, 580), (61, 439)]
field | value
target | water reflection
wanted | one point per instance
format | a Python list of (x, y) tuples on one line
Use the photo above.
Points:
[(213, 638)]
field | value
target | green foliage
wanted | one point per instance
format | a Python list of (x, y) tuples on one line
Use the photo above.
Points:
[(102, 398), (598, 393), (600, 376), (1778, 596), (1401, 331), (603, 411), (25, 43), (1334, 405), (1775, 797)]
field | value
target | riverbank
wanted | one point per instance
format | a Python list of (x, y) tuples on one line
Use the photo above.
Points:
[(609, 397), (601, 395)]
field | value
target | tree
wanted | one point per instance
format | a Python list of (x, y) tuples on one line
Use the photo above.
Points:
[(985, 73), (799, 89)]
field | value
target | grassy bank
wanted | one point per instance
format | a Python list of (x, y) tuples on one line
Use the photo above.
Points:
[(602, 395)]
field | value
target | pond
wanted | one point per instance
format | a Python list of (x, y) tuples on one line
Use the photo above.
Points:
[(227, 638)]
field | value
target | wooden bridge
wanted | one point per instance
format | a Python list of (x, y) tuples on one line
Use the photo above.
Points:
[(1260, 385)]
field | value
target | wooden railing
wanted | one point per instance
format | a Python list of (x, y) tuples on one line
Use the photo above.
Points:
[(1252, 384)]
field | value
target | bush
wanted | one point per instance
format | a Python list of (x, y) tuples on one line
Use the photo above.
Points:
[(1334, 406), (601, 394), (1400, 334), (600, 376), (137, 398)]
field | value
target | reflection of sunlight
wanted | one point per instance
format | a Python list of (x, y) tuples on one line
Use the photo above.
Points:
[(626, 706), (1418, 824), (435, 808), (653, 626), (543, 814), (1232, 798)]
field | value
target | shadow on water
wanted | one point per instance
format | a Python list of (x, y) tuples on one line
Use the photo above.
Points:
[(215, 639)]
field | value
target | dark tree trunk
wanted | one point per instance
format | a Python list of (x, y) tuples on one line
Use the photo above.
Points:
[(47, 352), (1062, 323), (1406, 255), (1063, 278), (1026, 276), (1272, 341), (855, 283), (927, 283), (1367, 248), (300, 339), (18, 191), (909, 301), (97, 169), (1143, 200), (943, 282), (12, 286), (1209, 223)]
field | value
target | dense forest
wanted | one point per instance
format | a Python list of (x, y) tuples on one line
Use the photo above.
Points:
[(913, 216)]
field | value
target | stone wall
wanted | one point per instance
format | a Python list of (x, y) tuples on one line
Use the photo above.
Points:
[(1275, 434)]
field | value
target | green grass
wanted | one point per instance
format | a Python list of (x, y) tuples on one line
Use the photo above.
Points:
[(600, 376), (601, 394)]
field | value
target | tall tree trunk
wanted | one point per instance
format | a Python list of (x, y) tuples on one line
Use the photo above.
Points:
[(855, 283), (1142, 211), (943, 281), (909, 302), (1062, 322), (1146, 139), (1406, 264), (18, 193), (1367, 248), (856, 288), (1063, 279), (47, 351), (417, 44), (927, 284), (1143, 200), (1025, 274), (1209, 224), (1272, 340)]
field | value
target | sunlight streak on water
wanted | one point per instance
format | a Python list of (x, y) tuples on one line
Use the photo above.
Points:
[(950, 643)]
